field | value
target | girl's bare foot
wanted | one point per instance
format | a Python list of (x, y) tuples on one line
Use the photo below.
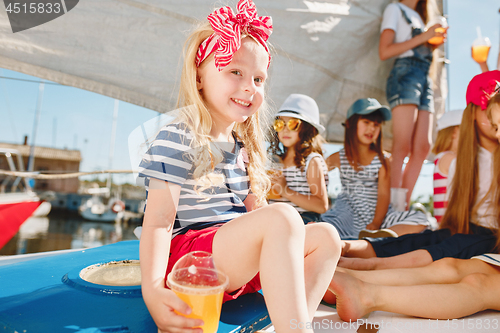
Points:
[(345, 248), (352, 296), (330, 297), (363, 264)]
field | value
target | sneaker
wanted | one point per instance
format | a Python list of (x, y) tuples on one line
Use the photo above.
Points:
[(419, 207), (433, 224), (377, 233)]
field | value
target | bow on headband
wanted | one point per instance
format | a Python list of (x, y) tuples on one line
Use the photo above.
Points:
[(228, 27)]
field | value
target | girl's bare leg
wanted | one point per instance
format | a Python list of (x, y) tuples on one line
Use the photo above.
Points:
[(320, 262), (416, 258), (446, 270), (421, 145), (274, 241), (404, 118), (474, 293), (403, 229), (357, 249)]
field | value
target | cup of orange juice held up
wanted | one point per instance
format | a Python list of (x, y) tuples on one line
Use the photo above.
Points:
[(196, 281), (271, 195), (444, 26), (480, 47)]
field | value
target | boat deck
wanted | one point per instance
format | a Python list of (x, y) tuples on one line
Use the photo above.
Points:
[(42, 293)]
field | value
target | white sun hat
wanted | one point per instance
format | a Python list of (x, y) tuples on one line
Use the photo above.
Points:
[(301, 107), (450, 118)]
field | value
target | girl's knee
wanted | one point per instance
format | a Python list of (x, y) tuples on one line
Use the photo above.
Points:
[(325, 235), (421, 149), (402, 146), (283, 209), (324, 228), (283, 216), (446, 263), (476, 281), (450, 266)]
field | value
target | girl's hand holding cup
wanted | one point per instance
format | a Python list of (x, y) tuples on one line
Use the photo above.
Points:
[(196, 282), (436, 29), (278, 183), (168, 309), (480, 48)]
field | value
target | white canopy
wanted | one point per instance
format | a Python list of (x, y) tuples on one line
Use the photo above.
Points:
[(131, 50)]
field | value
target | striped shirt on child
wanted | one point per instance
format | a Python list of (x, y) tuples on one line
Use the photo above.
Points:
[(170, 158), (440, 183), (296, 179)]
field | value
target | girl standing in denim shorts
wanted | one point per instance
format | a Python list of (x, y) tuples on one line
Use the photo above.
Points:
[(409, 87)]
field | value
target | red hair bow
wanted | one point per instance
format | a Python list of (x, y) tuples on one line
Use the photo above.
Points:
[(228, 27)]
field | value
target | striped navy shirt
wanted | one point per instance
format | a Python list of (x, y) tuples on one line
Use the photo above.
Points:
[(360, 189), (296, 179), (170, 158)]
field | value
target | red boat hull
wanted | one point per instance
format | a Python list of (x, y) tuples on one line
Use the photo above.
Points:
[(12, 215)]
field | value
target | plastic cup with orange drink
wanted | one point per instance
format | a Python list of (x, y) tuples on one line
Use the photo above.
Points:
[(480, 47), (196, 281), (271, 195), (437, 40)]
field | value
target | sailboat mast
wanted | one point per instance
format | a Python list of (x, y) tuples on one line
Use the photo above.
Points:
[(112, 144), (31, 160)]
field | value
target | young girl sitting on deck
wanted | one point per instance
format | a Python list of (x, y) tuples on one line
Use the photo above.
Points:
[(445, 289), (470, 223), (364, 174), (206, 185), (445, 151), (298, 145)]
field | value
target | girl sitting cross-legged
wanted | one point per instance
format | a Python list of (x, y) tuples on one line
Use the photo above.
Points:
[(362, 208)]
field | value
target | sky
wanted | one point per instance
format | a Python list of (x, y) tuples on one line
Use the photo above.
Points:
[(77, 119)]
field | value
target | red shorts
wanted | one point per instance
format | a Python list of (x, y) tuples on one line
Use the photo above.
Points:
[(201, 240)]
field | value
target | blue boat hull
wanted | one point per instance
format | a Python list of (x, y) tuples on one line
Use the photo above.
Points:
[(47, 295)]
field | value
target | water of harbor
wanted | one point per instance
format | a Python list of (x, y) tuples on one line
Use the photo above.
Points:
[(62, 230)]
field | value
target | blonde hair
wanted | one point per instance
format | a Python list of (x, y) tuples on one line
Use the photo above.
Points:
[(197, 117), (465, 182), (465, 185), (495, 100), (444, 140), (496, 196)]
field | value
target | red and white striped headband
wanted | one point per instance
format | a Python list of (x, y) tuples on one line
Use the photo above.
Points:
[(228, 27)]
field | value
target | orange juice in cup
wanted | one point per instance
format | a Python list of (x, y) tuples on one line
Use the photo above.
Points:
[(202, 288), (480, 53), (271, 195), (480, 47), (444, 26), (437, 40)]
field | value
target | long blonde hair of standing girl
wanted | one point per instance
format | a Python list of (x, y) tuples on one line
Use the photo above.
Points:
[(465, 186), (195, 113), (495, 100)]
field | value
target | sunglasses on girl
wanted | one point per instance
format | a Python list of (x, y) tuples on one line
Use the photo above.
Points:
[(292, 124)]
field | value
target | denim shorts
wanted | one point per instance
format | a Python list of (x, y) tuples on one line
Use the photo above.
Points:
[(409, 83)]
